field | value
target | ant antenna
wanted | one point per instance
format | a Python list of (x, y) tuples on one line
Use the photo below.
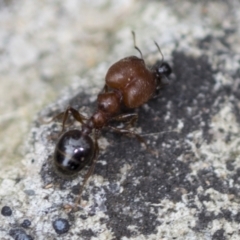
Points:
[(134, 42), (159, 51)]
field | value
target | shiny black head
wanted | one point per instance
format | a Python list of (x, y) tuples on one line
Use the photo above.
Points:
[(162, 70), (73, 152)]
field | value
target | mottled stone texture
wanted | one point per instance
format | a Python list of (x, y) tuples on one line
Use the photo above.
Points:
[(191, 190)]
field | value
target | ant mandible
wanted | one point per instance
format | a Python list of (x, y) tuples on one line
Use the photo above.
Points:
[(129, 83)]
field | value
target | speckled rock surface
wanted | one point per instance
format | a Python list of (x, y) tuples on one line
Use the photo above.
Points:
[(191, 189)]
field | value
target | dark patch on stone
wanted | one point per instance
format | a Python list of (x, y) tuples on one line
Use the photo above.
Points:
[(236, 192), (236, 177), (18, 180), (203, 198), (228, 138), (83, 217), (87, 234), (219, 235), (26, 223), (6, 211), (227, 214), (189, 99), (75, 189), (209, 42), (204, 218), (206, 42), (192, 90), (19, 234), (237, 217), (82, 99), (230, 165), (209, 179), (164, 177)]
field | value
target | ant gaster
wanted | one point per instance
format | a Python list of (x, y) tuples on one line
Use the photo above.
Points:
[(129, 83)]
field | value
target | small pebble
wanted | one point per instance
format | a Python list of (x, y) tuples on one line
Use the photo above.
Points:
[(61, 225), (26, 223), (19, 234), (6, 211)]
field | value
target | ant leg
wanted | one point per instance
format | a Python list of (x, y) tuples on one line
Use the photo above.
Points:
[(64, 115), (58, 116), (89, 172), (76, 115), (139, 138), (131, 133), (130, 119)]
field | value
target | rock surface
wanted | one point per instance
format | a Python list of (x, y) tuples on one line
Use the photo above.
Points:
[(191, 189)]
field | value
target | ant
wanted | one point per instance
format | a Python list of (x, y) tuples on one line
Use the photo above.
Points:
[(130, 84)]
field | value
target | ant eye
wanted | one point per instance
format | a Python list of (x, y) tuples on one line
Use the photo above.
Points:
[(73, 151), (165, 69)]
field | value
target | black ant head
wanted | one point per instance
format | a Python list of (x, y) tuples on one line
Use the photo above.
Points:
[(163, 69)]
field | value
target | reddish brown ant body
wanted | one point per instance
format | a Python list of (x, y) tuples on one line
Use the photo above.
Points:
[(129, 83)]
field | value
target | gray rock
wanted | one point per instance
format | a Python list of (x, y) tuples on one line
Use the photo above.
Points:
[(191, 189)]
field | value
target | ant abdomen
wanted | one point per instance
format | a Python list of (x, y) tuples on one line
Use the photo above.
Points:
[(136, 82), (73, 152)]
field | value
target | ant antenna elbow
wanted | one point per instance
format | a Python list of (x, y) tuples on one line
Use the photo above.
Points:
[(159, 49), (135, 46)]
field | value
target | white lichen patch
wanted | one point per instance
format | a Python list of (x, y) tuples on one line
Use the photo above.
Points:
[(219, 151)]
